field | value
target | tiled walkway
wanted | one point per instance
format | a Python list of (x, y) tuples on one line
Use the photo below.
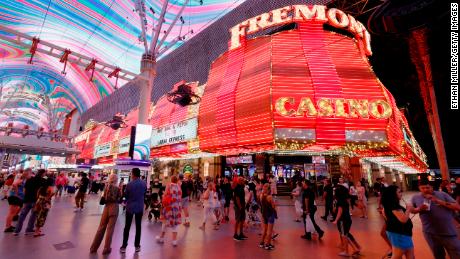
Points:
[(69, 235)]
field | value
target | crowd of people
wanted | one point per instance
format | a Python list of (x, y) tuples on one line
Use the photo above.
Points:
[(254, 204)]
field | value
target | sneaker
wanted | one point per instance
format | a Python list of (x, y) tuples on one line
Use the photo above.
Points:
[(174, 243), (269, 247), (15, 234), (107, 251), (76, 210), (320, 234), (236, 238), (261, 245), (308, 237), (9, 229), (243, 237), (122, 249), (160, 240), (81, 209), (137, 249), (344, 254)]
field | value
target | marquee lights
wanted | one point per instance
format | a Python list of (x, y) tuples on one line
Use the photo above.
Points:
[(378, 109), (300, 13), (304, 91)]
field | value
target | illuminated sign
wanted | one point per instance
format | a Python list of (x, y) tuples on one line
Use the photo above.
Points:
[(123, 145), (325, 107), (175, 133), (142, 141), (300, 13), (102, 150), (232, 160)]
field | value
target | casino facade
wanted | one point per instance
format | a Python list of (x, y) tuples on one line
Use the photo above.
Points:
[(301, 97)]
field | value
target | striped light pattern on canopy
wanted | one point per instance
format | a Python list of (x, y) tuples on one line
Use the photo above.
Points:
[(107, 30)]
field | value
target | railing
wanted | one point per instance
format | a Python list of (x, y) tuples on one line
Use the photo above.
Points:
[(40, 134)]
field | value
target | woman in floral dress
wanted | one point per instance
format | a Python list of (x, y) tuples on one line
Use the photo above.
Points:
[(170, 214)]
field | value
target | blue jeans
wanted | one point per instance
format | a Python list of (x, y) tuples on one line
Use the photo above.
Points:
[(28, 206)]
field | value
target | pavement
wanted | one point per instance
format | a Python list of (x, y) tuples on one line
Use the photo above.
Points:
[(69, 235)]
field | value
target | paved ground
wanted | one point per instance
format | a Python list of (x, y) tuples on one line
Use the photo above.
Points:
[(78, 229)]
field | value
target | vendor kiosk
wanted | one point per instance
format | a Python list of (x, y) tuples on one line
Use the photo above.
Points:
[(123, 169)]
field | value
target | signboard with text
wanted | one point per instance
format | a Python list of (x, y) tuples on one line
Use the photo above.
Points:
[(123, 145), (102, 150), (175, 133), (232, 160)]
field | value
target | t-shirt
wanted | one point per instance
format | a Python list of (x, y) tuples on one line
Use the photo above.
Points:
[(84, 184), (396, 226), (31, 188), (227, 190), (186, 188), (439, 219), (310, 195), (329, 192), (71, 181), (298, 190), (238, 193), (342, 203)]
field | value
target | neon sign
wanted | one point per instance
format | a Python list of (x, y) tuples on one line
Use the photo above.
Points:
[(325, 107), (300, 13)]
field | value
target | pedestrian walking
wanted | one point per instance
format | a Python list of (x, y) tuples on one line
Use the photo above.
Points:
[(309, 210), (31, 188), (210, 203), (134, 195), (171, 211), (228, 194), (240, 211), (328, 196), (269, 215), (399, 224), (81, 194), (437, 213), (343, 221), (297, 196), (43, 205), (15, 200), (61, 182), (111, 197), (186, 188), (362, 199)]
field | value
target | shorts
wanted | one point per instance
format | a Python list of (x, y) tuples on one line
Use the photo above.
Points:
[(240, 214), (15, 201), (270, 219), (185, 202), (400, 241), (227, 203)]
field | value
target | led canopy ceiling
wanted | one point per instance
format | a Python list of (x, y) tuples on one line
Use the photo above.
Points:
[(106, 30)]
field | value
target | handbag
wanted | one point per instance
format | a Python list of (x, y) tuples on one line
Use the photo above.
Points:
[(309, 228), (167, 199), (102, 201)]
